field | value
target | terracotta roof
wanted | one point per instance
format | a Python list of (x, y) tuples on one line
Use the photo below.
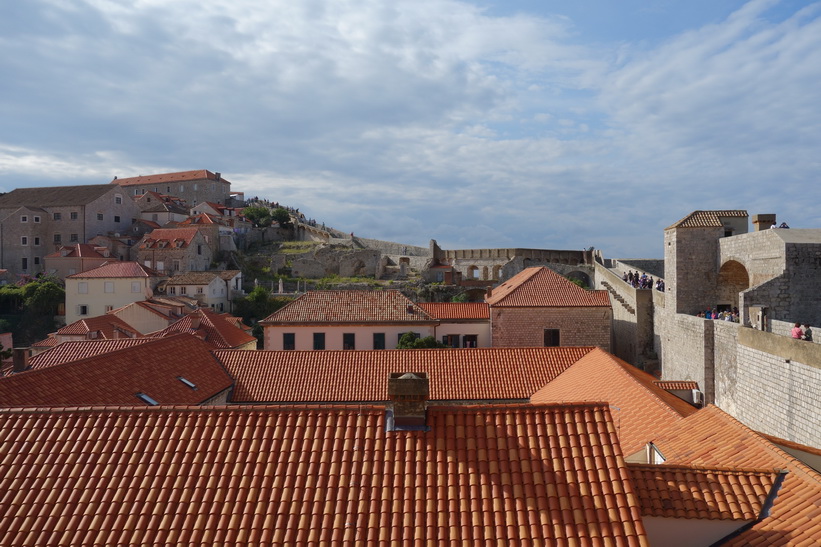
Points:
[(74, 350), (53, 196), (80, 250), (674, 491), (228, 275), (643, 408), (116, 269), (274, 476), (542, 287), (182, 176), (105, 325), (200, 218), (456, 310), (115, 378), (49, 342), (790, 445), (213, 328), (676, 385), (352, 307), (456, 374), (710, 437), (168, 235), (707, 219)]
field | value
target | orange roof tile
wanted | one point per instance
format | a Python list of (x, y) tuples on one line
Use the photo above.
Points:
[(80, 250), (351, 307), (115, 378), (106, 325), (456, 310), (213, 328), (73, 350), (642, 408), (49, 342), (676, 385), (169, 236), (675, 491), (456, 374), (549, 475), (542, 287), (182, 176), (707, 219), (710, 437), (117, 269)]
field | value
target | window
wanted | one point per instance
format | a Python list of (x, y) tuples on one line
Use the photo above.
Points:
[(36, 241), (147, 263), (319, 340), (109, 287), (99, 216), (36, 219), (25, 264), (172, 290), (73, 238), (155, 217), (187, 382), (146, 399), (72, 271), (73, 215), (108, 308), (24, 218), (199, 249), (36, 260), (470, 341), (116, 218), (118, 199), (82, 309), (451, 340), (379, 340), (183, 290), (82, 287), (167, 189), (349, 340), (57, 216), (24, 240), (176, 265), (135, 286), (195, 186), (160, 265), (58, 238), (199, 290), (288, 341), (551, 337)]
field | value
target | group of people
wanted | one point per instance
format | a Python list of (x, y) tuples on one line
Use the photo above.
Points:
[(802, 334), (642, 281), (724, 315)]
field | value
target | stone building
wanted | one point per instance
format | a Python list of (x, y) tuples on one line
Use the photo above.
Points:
[(173, 251), (752, 368), (539, 307), (192, 186), (35, 222)]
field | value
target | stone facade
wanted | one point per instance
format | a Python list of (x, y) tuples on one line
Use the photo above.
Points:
[(56, 217), (194, 187), (525, 327)]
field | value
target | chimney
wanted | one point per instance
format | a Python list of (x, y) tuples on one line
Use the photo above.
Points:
[(489, 292), (410, 309), (195, 321), (20, 360), (763, 221), (408, 393)]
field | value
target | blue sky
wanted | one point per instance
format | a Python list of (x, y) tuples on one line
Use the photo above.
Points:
[(538, 124)]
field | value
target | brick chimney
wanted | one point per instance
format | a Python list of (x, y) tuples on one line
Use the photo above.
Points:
[(20, 359), (195, 321), (408, 393), (763, 221), (489, 292)]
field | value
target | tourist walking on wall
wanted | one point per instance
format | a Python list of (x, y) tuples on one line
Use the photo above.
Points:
[(796, 332)]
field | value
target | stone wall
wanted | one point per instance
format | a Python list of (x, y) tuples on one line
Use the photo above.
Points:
[(524, 327), (776, 391), (632, 319), (690, 268), (687, 350), (654, 267)]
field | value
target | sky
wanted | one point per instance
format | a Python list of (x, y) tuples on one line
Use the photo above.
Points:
[(531, 124)]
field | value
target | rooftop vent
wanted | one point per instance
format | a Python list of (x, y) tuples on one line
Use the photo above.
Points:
[(408, 393), (410, 309)]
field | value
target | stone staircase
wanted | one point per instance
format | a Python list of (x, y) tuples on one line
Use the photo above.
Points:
[(616, 296)]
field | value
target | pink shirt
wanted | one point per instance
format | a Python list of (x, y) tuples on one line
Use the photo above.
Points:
[(797, 332)]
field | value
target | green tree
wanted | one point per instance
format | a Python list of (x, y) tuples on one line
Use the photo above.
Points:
[(45, 297), (411, 340), (282, 217), (260, 216), (461, 297)]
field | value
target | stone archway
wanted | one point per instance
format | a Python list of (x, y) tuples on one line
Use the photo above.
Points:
[(732, 279), (497, 269), (473, 272)]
